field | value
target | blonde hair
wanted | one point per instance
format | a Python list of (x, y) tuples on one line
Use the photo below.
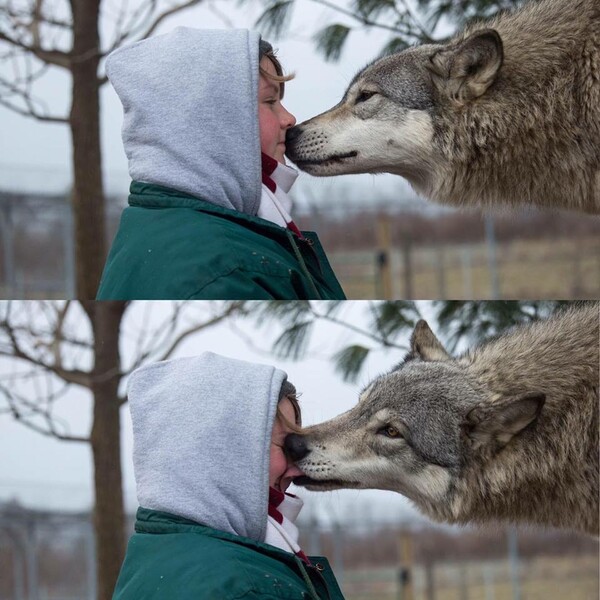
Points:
[(280, 77), (289, 391)]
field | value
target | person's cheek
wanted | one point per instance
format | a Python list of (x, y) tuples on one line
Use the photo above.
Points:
[(273, 467), (278, 462)]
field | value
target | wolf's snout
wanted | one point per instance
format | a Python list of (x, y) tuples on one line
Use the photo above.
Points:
[(292, 133), (295, 446)]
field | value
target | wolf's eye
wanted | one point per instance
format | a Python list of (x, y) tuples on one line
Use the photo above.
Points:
[(364, 96), (390, 431)]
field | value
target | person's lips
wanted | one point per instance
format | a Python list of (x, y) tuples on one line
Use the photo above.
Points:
[(293, 471)]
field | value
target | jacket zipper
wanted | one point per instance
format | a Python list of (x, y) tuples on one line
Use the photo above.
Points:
[(303, 264), (308, 581)]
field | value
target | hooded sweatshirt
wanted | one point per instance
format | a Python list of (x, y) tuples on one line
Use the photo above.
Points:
[(200, 223), (202, 430), (191, 113)]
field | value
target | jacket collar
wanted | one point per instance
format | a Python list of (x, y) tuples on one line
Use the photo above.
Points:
[(150, 195)]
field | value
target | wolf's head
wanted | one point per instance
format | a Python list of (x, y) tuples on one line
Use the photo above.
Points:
[(413, 430), (387, 119)]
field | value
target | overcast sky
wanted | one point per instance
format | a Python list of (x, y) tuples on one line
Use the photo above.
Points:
[(35, 156), (43, 472)]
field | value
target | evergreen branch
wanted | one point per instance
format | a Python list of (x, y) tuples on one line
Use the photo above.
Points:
[(330, 40), (293, 342), (276, 17), (350, 360)]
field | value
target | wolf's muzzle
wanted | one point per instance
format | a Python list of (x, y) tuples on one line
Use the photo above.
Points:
[(292, 133), (295, 446)]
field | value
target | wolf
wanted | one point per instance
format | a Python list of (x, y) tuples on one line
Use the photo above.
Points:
[(506, 113), (507, 432)]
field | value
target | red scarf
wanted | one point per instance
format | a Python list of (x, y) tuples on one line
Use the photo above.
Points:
[(269, 175), (276, 497)]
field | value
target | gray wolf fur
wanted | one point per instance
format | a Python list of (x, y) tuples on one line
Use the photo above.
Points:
[(506, 432), (506, 113)]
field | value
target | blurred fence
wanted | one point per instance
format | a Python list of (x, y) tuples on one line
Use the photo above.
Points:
[(375, 254), (50, 556), (532, 269), (465, 256), (46, 555), (37, 247), (539, 579)]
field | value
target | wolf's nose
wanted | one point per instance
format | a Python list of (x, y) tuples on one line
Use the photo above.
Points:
[(295, 446), (292, 133)]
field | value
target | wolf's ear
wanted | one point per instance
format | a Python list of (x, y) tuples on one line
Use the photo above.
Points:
[(466, 70), (494, 425), (424, 344)]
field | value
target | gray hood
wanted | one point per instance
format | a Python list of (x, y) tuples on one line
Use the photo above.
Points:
[(202, 430), (190, 101)]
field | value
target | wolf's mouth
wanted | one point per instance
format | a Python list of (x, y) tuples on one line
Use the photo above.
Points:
[(306, 481), (330, 159)]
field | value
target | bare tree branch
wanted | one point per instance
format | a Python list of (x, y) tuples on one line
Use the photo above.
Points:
[(133, 31), (15, 406), (34, 27), (32, 332), (31, 112), (137, 21), (55, 57), (19, 16), (57, 334), (74, 376), (153, 352), (168, 326), (145, 333), (168, 13), (39, 338), (20, 86), (16, 350), (30, 74)]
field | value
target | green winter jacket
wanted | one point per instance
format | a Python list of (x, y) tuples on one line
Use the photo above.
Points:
[(173, 246), (171, 558)]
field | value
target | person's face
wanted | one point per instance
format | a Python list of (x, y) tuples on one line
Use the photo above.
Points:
[(281, 471), (273, 119)]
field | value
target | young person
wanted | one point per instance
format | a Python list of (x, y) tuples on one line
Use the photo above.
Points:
[(215, 520), (208, 217)]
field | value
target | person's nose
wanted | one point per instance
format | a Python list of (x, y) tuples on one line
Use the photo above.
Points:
[(288, 119)]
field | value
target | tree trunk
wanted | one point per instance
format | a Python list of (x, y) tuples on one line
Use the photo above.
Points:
[(88, 193), (109, 522)]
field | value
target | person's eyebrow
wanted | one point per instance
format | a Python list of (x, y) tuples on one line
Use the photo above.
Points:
[(271, 86)]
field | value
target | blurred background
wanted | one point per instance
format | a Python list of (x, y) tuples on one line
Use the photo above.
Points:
[(67, 491), (386, 251), (63, 172)]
